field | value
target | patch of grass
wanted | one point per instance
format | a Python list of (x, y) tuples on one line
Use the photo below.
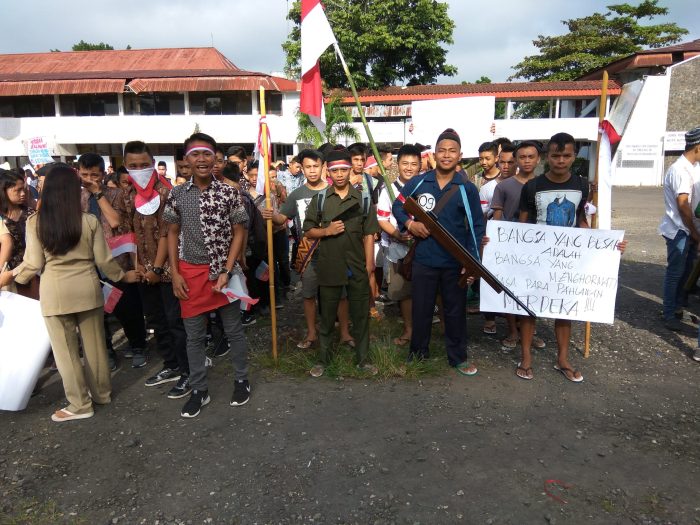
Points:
[(608, 505), (387, 357), (35, 512)]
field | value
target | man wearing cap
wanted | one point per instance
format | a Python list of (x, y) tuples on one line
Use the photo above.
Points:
[(455, 201), (345, 223), (678, 229)]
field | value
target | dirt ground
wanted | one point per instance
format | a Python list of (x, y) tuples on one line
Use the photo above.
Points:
[(622, 447)]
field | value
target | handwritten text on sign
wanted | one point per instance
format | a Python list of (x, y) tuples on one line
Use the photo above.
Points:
[(38, 151), (560, 273)]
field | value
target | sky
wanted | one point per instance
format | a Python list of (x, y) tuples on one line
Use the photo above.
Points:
[(250, 32)]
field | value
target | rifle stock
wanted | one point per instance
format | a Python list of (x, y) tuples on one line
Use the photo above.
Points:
[(471, 264)]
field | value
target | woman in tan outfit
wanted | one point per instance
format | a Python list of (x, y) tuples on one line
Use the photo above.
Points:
[(65, 245)]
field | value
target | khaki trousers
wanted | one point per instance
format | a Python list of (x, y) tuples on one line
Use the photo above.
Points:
[(78, 379)]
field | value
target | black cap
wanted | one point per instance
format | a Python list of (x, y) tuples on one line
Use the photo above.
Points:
[(692, 137), (449, 134)]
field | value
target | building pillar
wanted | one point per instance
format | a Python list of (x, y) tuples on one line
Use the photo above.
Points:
[(557, 107), (120, 104), (187, 102), (57, 105), (256, 106), (509, 109)]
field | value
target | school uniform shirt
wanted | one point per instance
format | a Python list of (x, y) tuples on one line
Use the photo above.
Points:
[(677, 181), (453, 216), (554, 203), (343, 255), (486, 191), (69, 282)]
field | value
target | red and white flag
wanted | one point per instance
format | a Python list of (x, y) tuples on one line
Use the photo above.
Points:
[(122, 244), (316, 36), (259, 155), (111, 295), (608, 138)]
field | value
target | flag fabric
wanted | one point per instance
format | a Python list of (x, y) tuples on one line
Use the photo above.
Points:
[(122, 244), (237, 290), (262, 272), (260, 157), (111, 295), (316, 36), (608, 138)]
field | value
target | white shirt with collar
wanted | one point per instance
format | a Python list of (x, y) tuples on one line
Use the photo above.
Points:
[(679, 179)]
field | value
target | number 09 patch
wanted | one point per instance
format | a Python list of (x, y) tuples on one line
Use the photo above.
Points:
[(426, 201)]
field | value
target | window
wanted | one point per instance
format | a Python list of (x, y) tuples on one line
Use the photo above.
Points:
[(22, 107), (222, 103), (154, 104), (89, 105), (273, 103)]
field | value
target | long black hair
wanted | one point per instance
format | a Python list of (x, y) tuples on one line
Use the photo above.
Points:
[(8, 179), (60, 214)]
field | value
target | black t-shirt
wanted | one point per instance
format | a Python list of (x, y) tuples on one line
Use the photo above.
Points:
[(554, 203)]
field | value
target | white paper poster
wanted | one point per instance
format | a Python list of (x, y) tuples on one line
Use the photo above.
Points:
[(24, 346), (559, 273)]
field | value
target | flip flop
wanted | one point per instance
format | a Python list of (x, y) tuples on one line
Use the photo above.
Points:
[(306, 344), (526, 371), (564, 371), (66, 415), (466, 370), (489, 331), (510, 343), (538, 343)]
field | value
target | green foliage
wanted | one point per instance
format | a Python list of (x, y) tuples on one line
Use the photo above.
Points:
[(338, 125), (596, 40), (86, 46), (383, 42)]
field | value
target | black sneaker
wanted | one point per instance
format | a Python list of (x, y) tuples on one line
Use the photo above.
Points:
[(140, 359), (164, 376), (197, 400), (222, 347), (181, 389), (247, 319), (241, 393), (112, 360)]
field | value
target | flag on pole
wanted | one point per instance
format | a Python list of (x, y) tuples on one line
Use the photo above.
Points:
[(122, 244), (608, 138), (259, 155), (316, 36), (111, 295)]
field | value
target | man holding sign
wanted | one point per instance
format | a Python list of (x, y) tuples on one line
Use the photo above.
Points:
[(556, 198)]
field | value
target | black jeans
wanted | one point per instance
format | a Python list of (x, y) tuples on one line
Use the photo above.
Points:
[(163, 314), (130, 315), (426, 281), (280, 249)]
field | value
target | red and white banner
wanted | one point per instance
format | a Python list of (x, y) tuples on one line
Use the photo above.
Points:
[(259, 155), (111, 295), (609, 137), (122, 244), (316, 36)]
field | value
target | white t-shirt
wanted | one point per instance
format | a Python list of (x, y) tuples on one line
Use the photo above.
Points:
[(678, 180), (393, 249), (486, 195)]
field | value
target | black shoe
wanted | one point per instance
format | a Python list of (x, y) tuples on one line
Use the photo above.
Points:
[(222, 347), (197, 400), (384, 299), (181, 389), (164, 376), (675, 325), (112, 359), (247, 318), (140, 359), (241, 393)]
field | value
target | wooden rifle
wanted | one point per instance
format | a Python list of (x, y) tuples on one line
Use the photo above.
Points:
[(472, 266)]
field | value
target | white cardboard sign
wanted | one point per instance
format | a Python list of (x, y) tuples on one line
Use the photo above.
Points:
[(559, 273)]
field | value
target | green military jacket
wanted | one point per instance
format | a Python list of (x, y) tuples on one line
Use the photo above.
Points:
[(341, 255)]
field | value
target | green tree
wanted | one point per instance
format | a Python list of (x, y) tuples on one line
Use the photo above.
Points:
[(338, 125), (86, 46), (383, 42), (596, 40)]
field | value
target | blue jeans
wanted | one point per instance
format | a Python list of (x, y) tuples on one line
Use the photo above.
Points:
[(680, 252)]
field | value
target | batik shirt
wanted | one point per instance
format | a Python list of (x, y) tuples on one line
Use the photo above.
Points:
[(206, 219)]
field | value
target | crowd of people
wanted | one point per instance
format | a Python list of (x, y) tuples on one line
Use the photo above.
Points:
[(352, 244)]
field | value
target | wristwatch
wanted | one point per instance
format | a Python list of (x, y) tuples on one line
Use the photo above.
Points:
[(158, 270), (229, 273), (98, 195)]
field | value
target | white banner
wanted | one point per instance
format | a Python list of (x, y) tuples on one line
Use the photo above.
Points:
[(24, 346), (559, 273)]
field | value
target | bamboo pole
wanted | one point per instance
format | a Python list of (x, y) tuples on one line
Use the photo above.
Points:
[(264, 164), (372, 144), (602, 107)]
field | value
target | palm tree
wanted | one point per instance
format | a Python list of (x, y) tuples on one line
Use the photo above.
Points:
[(338, 125)]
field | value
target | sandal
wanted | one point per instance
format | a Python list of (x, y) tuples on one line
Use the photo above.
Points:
[(317, 370), (572, 378), (510, 342), (306, 344), (538, 343), (526, 374), (466, 370), (402, 341), (66, 415), (489, 329)]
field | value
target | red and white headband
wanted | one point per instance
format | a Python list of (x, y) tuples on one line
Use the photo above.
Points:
[(199, 148), (338, 164)]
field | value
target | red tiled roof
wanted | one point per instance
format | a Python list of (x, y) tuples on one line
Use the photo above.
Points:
[(693, 45), (61, 87), (515, 90), (238, 83), (148, 69)]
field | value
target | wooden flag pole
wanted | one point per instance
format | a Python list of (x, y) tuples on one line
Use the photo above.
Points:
[(602, 108), (264, 164), (372, 144)]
